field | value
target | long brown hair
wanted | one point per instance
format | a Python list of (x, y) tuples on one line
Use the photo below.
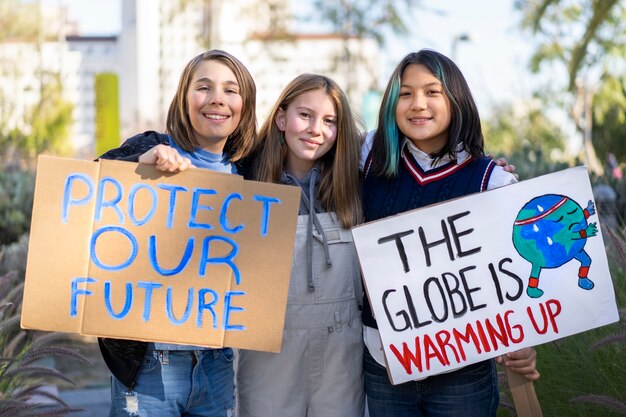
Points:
[(241, 141), (338, 189), (464, 126)]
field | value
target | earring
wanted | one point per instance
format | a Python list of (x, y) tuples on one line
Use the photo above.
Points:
[(281, 138)]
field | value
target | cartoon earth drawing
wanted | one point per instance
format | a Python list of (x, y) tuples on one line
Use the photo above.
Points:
[(551, 230)]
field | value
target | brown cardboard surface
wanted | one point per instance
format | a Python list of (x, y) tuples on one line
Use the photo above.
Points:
[(132, 264)]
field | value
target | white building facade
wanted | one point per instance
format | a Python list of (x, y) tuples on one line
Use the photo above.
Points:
[(99, 54), (158, 38)]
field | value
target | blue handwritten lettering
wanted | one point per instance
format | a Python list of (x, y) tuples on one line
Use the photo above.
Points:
[(228, 259), (128, 302), (152, 249), (78, 291), (223, 220), (170, 310), (96, 260), (173, 189), (228, 308), (113, 203), (147, 302), (195, 206), (265, 217), (67, 194), (203, 305), (131, 204)]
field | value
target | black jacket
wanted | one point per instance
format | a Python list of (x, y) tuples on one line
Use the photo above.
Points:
[(123, 357)]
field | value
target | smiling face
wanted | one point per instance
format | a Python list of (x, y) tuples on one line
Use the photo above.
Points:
[(214, 104), (309, 124), (423, 111)]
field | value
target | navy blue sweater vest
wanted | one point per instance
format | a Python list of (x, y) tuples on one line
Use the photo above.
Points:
[(414, 188)]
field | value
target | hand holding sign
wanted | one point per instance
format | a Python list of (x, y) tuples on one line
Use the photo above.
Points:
[(165, 158), (122, 250), (446, 283)]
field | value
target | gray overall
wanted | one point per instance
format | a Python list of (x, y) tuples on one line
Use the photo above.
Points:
[(318, 372)]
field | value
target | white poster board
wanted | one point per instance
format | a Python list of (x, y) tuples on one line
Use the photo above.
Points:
[(449, 283)]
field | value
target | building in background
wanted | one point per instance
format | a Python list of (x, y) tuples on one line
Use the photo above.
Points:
[(24, 69), (157, 39), (99, 56)]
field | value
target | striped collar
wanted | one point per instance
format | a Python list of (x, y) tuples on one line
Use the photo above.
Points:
[(422, 167)]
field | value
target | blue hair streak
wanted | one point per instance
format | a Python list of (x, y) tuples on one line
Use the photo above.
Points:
[(392, 141)]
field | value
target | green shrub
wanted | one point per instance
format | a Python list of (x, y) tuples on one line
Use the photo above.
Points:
[(16, 204), (22, 375)]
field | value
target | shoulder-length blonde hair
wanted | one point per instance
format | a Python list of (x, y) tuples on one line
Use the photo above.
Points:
[(338, 189), (241, 141)]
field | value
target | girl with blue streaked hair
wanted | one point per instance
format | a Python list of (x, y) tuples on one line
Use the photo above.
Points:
[(429, 148)]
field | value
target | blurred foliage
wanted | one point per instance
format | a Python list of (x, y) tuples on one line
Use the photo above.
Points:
[(16, 189), (48, 125), (583, 43), (362, 19), (609, 118), (527, 138), (50, 120), (365, 18), (579, 34), (19, 20), (25, 357)]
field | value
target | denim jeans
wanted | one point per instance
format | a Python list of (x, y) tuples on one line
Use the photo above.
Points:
[(471, 391), (177, 383)]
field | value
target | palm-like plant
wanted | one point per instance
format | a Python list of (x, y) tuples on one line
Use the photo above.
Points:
[(22, 379), (614, 404)]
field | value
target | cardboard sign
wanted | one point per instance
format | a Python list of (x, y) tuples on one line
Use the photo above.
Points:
[(476, 277), (121, 250)]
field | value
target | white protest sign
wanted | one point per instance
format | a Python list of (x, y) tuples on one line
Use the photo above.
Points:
[(473, 278)]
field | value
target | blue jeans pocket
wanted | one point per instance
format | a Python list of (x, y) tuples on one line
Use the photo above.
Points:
[(227, 354), (149, 362)]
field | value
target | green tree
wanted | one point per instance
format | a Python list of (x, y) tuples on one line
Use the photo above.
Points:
[(50, 120), (584, 39), (46, 127), (18, 21), (361, 19), (609, 118), (525, 134)]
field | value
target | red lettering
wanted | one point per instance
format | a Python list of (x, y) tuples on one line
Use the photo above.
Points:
[(549, 311), (443, 340), (497, 334), (553, 312), (431, 352), (465, 338), (483, 337), (519, 328), (406, 358)]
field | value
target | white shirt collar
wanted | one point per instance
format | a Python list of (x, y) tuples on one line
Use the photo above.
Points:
[(426, 162)]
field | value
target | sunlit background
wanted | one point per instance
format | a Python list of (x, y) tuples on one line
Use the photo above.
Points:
[(118, 62), (111, 67), (77, 77)]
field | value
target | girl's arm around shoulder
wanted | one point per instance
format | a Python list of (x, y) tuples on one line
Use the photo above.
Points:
[(500, 177), (367, 140)]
